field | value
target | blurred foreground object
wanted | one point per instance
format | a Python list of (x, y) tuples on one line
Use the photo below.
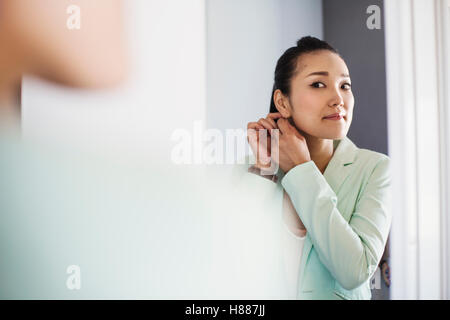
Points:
[(35, 39)]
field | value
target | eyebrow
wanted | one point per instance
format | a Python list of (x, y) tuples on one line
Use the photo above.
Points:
[(325, 73)]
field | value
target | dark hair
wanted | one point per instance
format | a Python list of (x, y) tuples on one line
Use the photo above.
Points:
[(287, 64)]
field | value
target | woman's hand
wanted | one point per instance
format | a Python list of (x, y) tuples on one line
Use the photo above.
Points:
[(292, 147), (262, 149), (289, 138)]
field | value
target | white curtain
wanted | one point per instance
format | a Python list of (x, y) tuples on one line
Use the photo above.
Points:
[(417, 81)]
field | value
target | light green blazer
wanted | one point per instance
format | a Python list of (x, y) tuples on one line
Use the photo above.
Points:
[(346, 212)]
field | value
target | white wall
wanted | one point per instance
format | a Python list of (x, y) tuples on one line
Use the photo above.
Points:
[(244, 41)]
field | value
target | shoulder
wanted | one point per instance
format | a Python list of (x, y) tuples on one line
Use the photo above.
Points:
[(360, 160), (366, 156), (372, 164), (362, 163)]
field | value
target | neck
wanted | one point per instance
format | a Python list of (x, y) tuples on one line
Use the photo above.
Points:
[(320, 150)]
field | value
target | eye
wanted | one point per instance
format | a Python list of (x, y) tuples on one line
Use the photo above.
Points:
[(317, 85), (346, 86)]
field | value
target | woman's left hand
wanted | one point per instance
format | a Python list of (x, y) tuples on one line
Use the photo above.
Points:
[(292, 147)]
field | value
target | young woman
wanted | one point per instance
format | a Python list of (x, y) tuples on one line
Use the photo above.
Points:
[(336, 195)]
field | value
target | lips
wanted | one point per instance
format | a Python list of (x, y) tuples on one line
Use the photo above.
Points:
[(335, 116)]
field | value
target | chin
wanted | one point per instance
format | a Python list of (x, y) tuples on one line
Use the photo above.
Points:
[(319, 130), (336, 134)]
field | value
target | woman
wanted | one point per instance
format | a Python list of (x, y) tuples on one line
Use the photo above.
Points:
[(336, 195)]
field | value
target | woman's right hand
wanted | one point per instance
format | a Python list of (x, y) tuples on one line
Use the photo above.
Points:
[(261, 149)]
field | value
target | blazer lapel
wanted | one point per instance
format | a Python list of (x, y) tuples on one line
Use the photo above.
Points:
[(339, 166)]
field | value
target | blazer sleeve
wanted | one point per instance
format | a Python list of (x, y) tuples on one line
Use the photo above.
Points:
[(350, 250)]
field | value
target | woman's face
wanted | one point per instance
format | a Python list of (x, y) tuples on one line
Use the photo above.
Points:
[(321, 87)]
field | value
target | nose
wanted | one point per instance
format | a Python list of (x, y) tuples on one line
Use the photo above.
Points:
[(336, 99)]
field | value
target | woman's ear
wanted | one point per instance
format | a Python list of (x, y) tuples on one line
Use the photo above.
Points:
[(282, 103)]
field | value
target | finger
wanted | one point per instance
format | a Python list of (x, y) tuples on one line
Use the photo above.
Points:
[(263, 153), (284, 126), (254, 125), (274, 115), (252, 134), (252, 137), (274, 147), (258, 139), (263, 138), (267, 125), (272, 122)]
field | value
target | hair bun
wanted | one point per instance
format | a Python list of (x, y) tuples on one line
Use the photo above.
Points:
[(309, 42)]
